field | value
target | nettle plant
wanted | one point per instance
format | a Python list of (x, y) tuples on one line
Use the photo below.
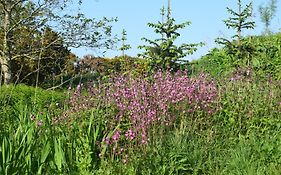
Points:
[(162, 53), (239, 48)]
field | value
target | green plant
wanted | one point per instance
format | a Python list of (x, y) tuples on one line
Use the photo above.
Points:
[(267, 13), (124, 46), (163, 53), (14, 98), (240, 49)]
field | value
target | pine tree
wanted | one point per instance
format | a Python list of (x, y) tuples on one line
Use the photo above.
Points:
[(124, 59)]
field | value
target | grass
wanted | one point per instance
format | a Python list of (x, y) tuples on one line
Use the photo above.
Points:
[(50, 134)]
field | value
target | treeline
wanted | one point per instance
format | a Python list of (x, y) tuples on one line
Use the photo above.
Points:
[(35, 42), (55, 58)]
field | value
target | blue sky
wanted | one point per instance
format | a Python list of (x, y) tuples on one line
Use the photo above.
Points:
[(206, 16)]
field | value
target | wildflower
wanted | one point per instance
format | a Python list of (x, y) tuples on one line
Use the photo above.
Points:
[(125, 159), (39, 123), (116, 136), (100, 155), (143, 103), (32, 117), (79, 87), (130, 135), (107, 141)]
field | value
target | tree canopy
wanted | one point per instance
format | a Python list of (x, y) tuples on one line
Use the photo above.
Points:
[(31, 30)]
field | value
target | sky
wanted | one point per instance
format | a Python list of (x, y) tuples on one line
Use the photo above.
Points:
[(206, 18)]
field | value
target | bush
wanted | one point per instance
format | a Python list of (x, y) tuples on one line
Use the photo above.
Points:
[(264, 60)]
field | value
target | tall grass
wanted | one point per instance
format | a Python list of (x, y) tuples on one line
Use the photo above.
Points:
[(141, 125)]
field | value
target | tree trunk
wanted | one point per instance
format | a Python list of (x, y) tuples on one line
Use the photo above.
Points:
[(6, 70), (6, 55)]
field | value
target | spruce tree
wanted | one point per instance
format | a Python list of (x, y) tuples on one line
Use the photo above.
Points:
[(162, 53), (239, 47)]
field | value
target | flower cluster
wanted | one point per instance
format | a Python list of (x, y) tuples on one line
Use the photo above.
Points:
[(81, 99), (147, 101), (140, 104)]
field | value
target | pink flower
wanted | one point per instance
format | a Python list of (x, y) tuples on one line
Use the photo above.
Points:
[(107, 141), (130, 135), (116, 136), (142, 103)]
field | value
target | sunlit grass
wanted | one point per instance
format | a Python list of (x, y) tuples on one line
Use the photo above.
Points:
[(57, 136)]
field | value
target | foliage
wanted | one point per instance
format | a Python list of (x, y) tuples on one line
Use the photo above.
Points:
[(28, 96), (216, 63), (26, 24), (182, 136), (120, 119), (80, 31), (163, 53), (240, 49), (110, 66), (14, 98), (267, 13), (144, 104), (242, 107), (54, 58), (265, 61), (124, 46)]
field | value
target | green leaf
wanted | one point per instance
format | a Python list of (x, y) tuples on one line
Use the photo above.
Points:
[(45, 152), (59, 157), (256, 62)]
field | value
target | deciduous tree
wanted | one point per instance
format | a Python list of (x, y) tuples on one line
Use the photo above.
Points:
[(32, 16), (267, 13)]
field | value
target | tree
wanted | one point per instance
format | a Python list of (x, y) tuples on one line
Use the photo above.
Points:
[(239, 21), (30, 16), (53, 55), (267, 13), (125, 62), (162, 53), (124, 46)]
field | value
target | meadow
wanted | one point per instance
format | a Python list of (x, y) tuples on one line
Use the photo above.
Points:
[(165, 123), (155, 114)]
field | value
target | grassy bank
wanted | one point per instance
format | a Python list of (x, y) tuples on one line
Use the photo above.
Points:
[(223, 126)]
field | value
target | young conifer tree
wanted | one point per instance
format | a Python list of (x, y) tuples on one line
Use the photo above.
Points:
[(239, 21), (124, 46), (124, 59), (162, 53), (267, 13)]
